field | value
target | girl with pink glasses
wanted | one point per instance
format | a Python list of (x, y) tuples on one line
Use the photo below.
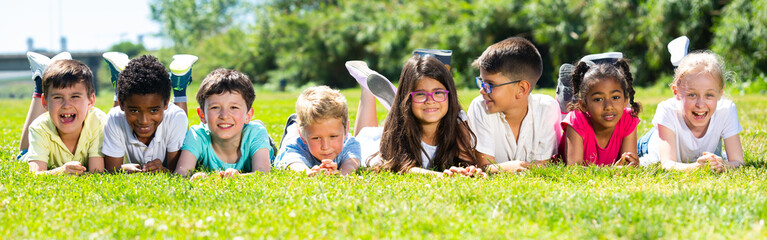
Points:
[(425, 131)]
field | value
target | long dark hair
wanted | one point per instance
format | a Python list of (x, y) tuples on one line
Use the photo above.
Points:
[(401, 140), (586, 75)]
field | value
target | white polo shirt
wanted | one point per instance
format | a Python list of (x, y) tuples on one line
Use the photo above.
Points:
[(538, 135), (120, 141)]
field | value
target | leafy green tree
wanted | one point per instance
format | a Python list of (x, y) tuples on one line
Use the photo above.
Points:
[(741, 38), (129, 48), (188, 21), (308, 41)]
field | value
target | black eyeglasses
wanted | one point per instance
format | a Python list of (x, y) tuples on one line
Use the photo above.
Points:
[(489, 87)]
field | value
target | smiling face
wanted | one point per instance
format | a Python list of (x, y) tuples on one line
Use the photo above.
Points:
[(500, 99), (605, 102), (429, 112), (325, 138), (68, 107), (144, 114), (225, 114), (699, 94)]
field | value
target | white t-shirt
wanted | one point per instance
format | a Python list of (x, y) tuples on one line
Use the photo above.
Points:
[(429, 153), (119, 139), (539, 132), (723, 124)]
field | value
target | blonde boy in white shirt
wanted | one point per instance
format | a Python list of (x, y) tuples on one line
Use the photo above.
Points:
[(514, 128)]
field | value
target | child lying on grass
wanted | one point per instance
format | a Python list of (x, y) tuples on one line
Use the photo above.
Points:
[(226, 140), (67, 138), (319, 141)]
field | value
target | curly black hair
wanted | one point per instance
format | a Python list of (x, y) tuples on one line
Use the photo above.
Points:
[(585, 76), (144, 75)]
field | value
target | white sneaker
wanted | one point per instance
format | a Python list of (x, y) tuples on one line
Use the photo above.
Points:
[(381, 87), (182, 64), (608, 57), (181, 70), (678, 49), (37, 63), (61, 56), (359, 71), (117, 62)]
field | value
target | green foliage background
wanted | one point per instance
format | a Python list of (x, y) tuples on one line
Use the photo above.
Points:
[(304, 41)]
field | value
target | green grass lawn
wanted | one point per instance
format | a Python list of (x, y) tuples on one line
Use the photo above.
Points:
[(553, 202)]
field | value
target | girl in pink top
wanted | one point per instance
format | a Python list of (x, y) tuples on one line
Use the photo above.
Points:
[(600, 128)]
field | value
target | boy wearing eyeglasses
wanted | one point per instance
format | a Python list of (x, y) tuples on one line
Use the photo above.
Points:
[(317, 139), (514, 128)]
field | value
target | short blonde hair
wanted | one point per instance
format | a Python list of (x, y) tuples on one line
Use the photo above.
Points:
[(321, 102), (699, 62)]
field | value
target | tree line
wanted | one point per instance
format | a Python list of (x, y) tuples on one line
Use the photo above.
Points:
[(302, 41)]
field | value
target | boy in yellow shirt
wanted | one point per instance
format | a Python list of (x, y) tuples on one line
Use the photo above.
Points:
[(67, 138)]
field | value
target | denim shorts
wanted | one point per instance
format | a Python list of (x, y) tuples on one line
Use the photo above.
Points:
[(644, 142)]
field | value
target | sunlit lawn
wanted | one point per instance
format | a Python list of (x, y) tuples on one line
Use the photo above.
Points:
[(554, 202)]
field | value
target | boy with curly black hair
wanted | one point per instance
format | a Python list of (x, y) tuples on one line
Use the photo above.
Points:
[(144, 133)]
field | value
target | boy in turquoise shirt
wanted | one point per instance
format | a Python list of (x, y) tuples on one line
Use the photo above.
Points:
[(226, 140)]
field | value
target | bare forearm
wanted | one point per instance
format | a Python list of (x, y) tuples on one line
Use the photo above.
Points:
[(734, 164), (418, 170), (349, 166), (674, 165), (263, 169)]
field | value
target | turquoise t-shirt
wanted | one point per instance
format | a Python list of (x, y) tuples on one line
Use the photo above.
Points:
[(197, 142)]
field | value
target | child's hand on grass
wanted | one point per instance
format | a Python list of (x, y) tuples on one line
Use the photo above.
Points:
[(326, 167), (712, 161), (154, 166), (628, 159), (476, 172), (517, 166), (72, 168), (470, 171), (198, 175), (229, 173), (131, 168)]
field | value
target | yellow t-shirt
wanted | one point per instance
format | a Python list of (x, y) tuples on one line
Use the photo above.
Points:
[(46, 145)]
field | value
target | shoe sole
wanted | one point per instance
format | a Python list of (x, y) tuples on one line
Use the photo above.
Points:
[(117, 60), (361, 67), (37, 64), (291, 119), (564, 86), (182, 64), (381, 88)]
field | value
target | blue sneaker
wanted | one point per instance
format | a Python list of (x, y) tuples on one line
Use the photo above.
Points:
[(181, 71), (116, 62)]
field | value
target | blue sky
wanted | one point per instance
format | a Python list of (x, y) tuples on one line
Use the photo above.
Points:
[(88, 25)]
